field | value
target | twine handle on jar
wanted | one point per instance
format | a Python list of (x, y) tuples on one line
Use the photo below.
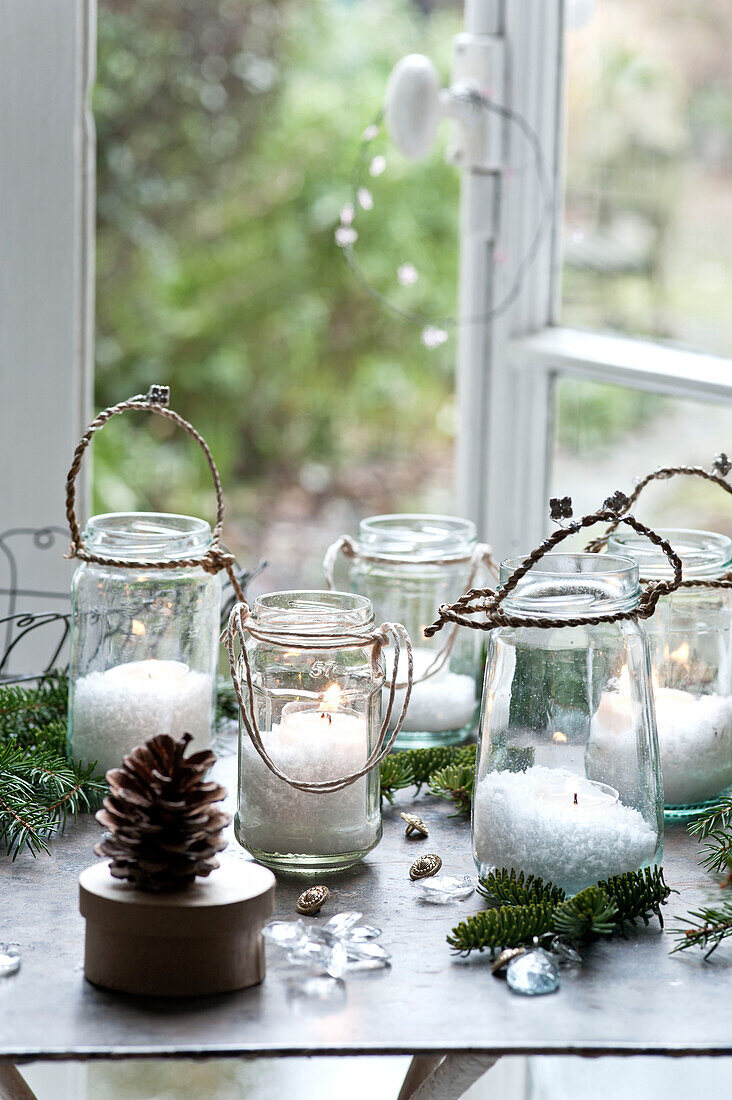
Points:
[(242, 622), (481, 554), (717, 475), (489, 600), (155, 401)]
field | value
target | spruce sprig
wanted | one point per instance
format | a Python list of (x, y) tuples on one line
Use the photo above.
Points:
[(589, 913), (39, 790), (509, 926), (715, 828), (455, 783), (710, 925), (396, 773), (638, 895), (506, 887), (425, 762)]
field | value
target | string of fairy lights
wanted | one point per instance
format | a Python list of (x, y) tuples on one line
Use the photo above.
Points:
[(435, 331)]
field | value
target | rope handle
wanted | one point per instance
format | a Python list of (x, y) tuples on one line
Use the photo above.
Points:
[(490, 600), (481, 554), (716, 475), (154, 401), (242, 623)]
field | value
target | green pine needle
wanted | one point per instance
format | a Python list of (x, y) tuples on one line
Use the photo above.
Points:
[(455, 782), (396, 773), (509, 926), (715, 828), (505, 887), (710, 925), (638, 895), (424, 762), (589, 913)]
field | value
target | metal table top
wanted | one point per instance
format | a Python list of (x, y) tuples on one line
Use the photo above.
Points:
[(630, 997)]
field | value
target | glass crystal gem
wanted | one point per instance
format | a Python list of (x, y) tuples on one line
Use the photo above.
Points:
[(407, 274), (377, 166), (366, 956), (320, 948), (9, 959), (566, 955), (365, 198), (534, 973), (444, 889), (362, 933), (345, 236), (432, 336), (284, 933), (341, 923)]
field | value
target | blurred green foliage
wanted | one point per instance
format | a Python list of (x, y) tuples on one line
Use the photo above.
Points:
[(228, 131)]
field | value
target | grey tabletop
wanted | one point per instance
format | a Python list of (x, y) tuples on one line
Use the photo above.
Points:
[(630, 997)]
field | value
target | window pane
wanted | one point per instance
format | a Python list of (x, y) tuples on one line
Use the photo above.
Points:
[(648, 222), (228, 134), (608, 436)]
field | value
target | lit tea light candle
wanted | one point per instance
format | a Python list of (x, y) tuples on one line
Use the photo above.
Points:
[(442, 700), (694, 739), (560, 826), (315, 741), (115, 711)]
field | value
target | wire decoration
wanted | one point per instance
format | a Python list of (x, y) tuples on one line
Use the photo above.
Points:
[(346, 236)]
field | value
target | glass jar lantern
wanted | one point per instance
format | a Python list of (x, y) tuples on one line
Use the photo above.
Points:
[(309, 679), (145, 617), (551, 797), (144, 643), (690, 639), (408, 565)]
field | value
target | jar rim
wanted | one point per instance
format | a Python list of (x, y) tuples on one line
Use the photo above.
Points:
[(702, 553), (421, 535), (565, 585), (158, 536), (314, 612)]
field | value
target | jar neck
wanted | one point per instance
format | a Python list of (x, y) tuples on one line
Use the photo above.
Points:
[(704, 554), (565, 586), (147, 536), (314, 614), (416, 537)]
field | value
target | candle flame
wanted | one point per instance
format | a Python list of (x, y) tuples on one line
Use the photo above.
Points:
[(332, 697), (681, 654), (138, 628), (559, 736)]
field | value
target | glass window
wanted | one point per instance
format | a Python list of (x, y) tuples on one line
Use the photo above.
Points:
[(228, 132), (608, 436), (648, 217)]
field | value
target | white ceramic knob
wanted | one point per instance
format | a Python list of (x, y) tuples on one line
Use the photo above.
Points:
[(412, 106)]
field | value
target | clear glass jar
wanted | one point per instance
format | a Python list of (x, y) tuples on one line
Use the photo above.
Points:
[(408, 565), (558, 792), (318, 710), (690, 637), (144, 642)]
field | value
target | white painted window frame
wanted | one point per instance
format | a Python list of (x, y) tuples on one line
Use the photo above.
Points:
[(507, 370)]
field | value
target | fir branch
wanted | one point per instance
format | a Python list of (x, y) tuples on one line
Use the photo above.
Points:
[(425, 762), (509, 926), (455, 782), (638, 895), (396, 773), (715, 828), (589, 913), (506, 887), (710, 925)]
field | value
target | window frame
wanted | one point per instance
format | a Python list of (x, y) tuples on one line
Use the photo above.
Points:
[(507, 371)]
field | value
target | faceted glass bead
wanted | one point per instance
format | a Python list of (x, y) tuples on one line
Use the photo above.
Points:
[(444, 889), (341, 923), (366, 956), (361, 933), (534, 973), (285, 933), (320, 948)]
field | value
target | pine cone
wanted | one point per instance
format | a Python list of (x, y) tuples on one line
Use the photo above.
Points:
[(163, 827)]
